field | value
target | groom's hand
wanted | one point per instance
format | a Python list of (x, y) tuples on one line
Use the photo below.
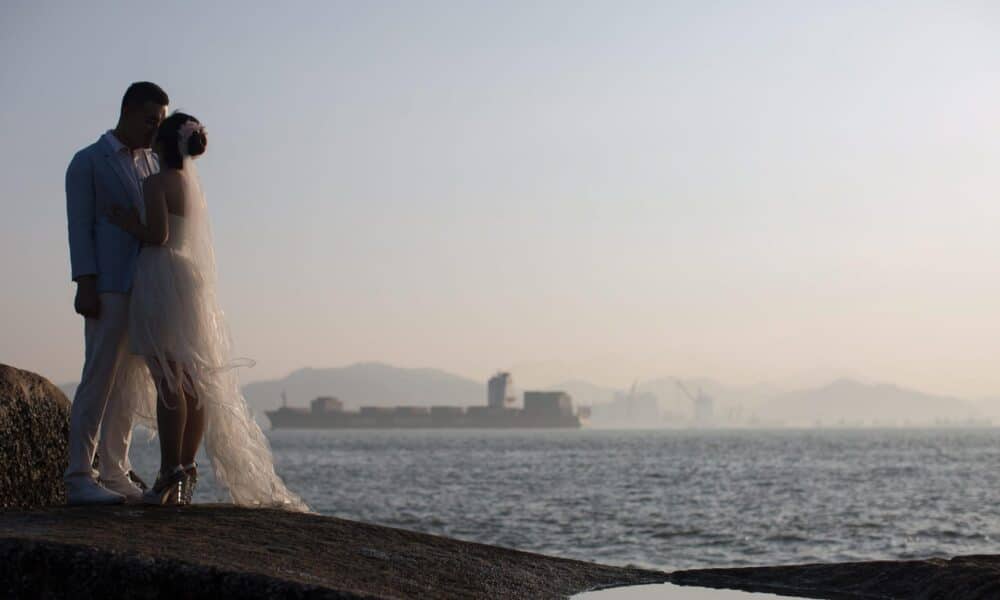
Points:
[(87, 303)]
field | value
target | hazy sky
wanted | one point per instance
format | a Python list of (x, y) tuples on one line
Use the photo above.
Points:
[(745, 190)]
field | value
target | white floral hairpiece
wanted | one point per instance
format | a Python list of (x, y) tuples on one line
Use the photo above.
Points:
[(185, 132)]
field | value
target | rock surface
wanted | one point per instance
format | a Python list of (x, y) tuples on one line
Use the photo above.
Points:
[(34, 430), (224, 551), (960, 578)]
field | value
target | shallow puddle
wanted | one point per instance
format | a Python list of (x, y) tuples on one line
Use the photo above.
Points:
[(669, 591)]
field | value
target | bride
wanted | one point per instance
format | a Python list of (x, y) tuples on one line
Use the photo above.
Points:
[(186, 385)]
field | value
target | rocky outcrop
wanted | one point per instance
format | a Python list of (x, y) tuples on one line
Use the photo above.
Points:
[(220, 551), (34, 430), (960, 578)]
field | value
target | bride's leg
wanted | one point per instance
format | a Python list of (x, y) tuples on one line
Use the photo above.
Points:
[(194, 429), (171, 414)]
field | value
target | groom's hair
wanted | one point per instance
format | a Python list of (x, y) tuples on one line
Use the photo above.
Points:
[(142, 92)]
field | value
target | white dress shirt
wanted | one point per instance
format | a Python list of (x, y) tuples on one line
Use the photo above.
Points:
[(138, 164)]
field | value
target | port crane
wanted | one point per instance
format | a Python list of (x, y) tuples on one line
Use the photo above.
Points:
[(701, 402)]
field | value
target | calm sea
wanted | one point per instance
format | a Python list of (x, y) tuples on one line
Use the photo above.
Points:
[(665, 499)]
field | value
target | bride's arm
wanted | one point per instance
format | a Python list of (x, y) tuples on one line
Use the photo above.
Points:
[(155, 231)]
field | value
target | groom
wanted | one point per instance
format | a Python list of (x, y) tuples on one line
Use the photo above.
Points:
[(107, 173)]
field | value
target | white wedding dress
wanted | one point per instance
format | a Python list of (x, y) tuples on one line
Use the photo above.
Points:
[(174, 318)]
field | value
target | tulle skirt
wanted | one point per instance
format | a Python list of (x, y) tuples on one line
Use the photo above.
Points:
[(180, 342), (170, 321)]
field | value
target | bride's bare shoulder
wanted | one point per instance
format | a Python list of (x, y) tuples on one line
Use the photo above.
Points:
[(171, 184)]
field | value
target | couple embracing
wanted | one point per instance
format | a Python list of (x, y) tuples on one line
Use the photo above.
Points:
[(158, 351)]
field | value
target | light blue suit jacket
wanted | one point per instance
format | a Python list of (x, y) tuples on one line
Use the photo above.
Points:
[(96, 180)]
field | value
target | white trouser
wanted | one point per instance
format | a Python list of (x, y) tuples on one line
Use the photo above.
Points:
[(98, 405)]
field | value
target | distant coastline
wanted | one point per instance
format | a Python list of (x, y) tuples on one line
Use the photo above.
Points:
[(657, 403)]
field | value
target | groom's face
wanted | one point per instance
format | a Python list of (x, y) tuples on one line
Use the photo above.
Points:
[(144, 120)]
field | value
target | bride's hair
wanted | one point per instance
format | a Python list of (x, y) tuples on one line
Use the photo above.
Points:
[(170, 134)]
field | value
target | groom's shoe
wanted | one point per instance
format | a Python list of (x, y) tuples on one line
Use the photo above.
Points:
[(125, 488), (87, 491)]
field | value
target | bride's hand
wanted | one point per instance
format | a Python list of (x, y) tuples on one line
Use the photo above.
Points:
[(125, 217)]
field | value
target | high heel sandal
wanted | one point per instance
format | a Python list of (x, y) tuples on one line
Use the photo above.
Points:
[(190, 482), (168, 488)]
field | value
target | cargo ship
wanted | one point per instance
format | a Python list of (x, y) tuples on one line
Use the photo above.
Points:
[(542, 409)]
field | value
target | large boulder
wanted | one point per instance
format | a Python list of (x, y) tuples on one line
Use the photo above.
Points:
[(34, 433)]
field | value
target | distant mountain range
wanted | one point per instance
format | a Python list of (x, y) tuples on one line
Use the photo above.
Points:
[(852, 402), (843, 401), (367, 384)]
